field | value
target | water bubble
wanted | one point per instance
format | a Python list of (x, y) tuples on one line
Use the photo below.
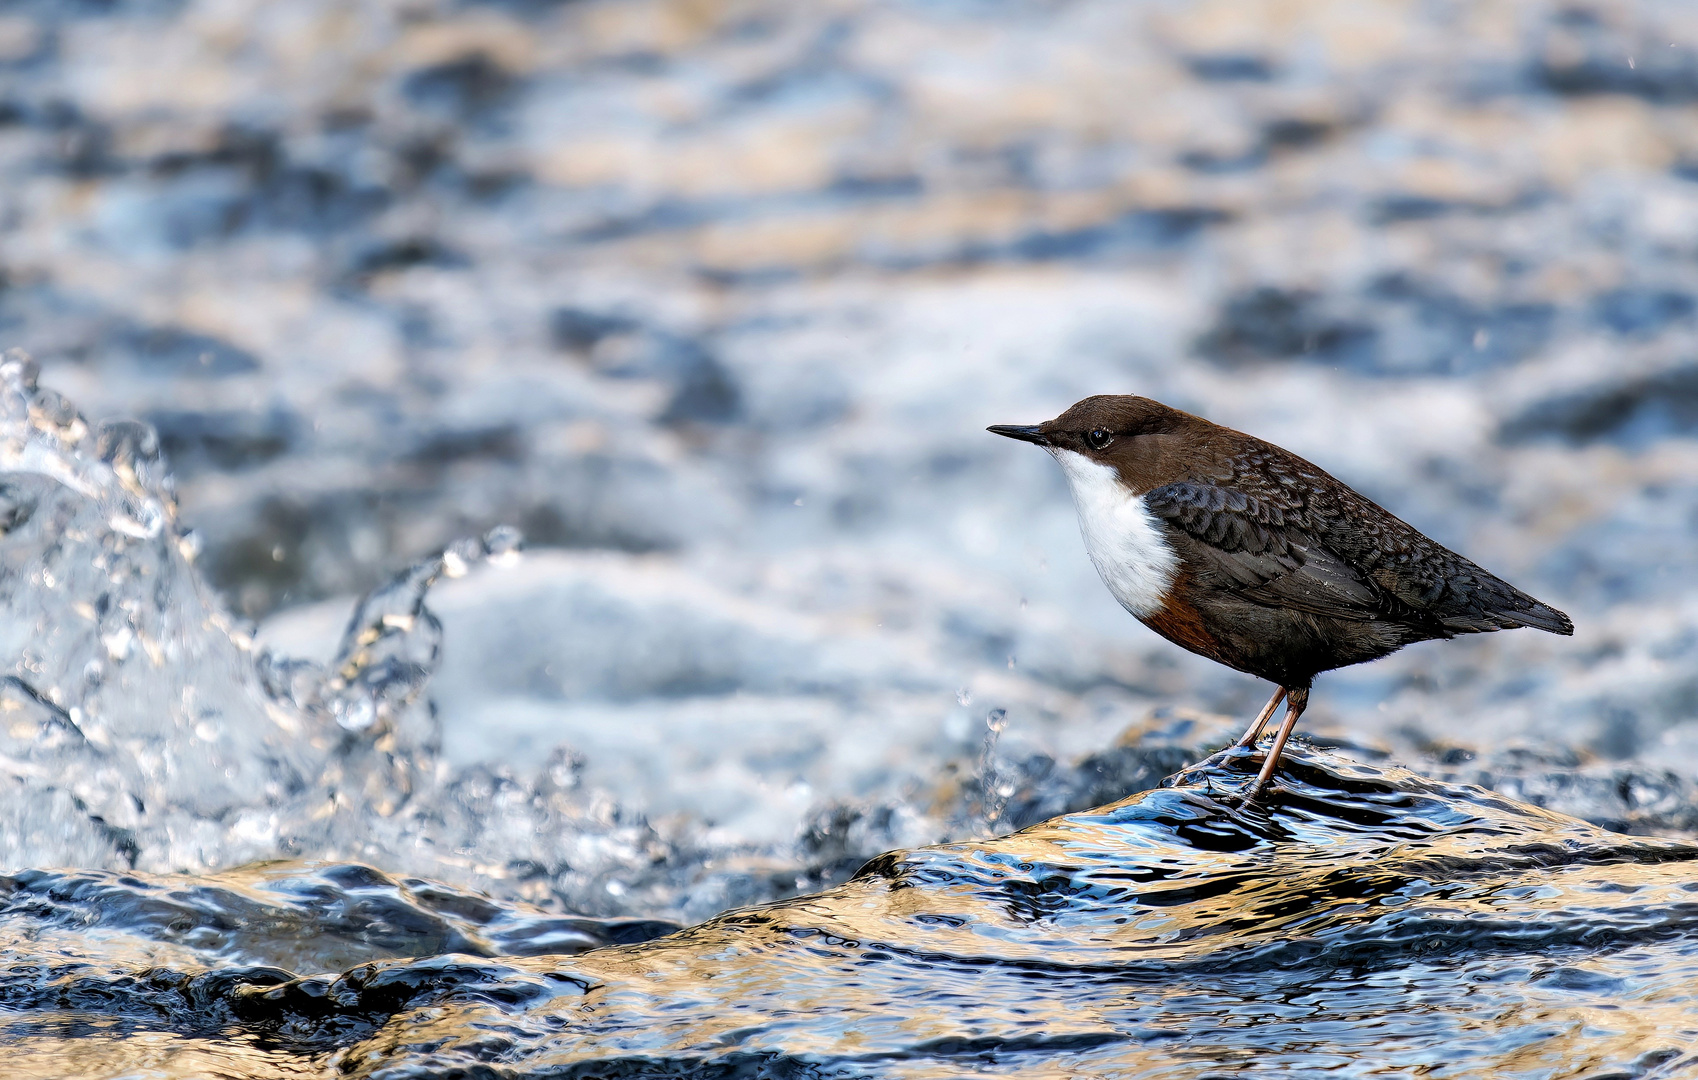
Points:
[(565, 769), (126, 442), (963, 697), (16, 507), (118, 643), (354, 714), (992, 780), (51, 411), (150, 523), (18, 372), (503, 545)]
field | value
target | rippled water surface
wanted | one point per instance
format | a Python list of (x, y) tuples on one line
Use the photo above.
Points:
[(1362, 918), (1361, 921), (500, 481)]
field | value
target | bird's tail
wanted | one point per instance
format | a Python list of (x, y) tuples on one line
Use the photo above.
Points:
[(1537, 615), (1498, 605)]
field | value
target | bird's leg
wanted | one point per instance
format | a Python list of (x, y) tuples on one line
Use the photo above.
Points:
[(1295, 702), (1250, 736), (1262, 718)]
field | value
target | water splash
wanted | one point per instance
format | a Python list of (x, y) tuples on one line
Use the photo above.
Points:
[(1359, 915), (994, 783), (392, 642), (1428, 924), (105, 618), (143, 730)]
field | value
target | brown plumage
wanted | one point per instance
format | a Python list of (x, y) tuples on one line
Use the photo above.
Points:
[(1253, 557)]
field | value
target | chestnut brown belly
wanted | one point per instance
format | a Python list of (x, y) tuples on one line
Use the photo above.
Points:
[(1278, 644)]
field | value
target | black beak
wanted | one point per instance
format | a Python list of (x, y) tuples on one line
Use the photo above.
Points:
[(1023, 432)]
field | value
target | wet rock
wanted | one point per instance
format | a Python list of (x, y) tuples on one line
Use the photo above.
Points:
[(230, 440), (1635, 412), (466, 88), (1231, 67), (703, 390), (1395, 208), (1296, 133), (582, 330), (174, 351), (404, 254), (1397, 327), (1433, 331), (1587, 52), (1342, 885), (1140, 230), (1643, 312), (1280, 324)]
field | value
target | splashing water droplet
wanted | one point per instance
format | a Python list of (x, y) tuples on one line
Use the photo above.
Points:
[(143, 711), (503, 545), (993, 800)]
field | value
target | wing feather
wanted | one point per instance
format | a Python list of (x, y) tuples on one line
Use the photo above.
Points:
[(1246, 545)]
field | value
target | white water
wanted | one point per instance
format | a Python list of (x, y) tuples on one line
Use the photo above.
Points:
[(735, 615)]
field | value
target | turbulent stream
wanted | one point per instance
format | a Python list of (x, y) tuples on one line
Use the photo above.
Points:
[(555, 609), (1362, 918)]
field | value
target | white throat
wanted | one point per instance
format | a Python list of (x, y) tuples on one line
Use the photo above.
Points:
[(1123, 539)]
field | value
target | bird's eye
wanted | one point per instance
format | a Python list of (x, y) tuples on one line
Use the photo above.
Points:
[(1099, 438)]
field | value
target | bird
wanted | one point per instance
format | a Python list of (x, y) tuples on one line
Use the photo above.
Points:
[(1243, 552)]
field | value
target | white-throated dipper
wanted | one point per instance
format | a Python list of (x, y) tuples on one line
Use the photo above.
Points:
[(1257, 559)]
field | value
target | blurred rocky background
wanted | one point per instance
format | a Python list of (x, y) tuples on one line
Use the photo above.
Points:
[(713, 298)]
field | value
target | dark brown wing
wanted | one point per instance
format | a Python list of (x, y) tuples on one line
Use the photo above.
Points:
[(1292, 536), (1250, 547)]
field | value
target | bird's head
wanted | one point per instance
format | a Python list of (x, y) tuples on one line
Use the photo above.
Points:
[(1105, 428)]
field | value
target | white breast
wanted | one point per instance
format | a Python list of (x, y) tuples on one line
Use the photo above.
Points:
[(1123, 539)]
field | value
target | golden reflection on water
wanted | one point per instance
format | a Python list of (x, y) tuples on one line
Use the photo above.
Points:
[(1402, 930), (1366, 923), (94, 1047)]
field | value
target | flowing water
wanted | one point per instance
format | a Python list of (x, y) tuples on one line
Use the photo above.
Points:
[(1362, 919), (558, 513)]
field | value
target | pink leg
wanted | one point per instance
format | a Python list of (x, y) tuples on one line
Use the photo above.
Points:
[(1295, 702), (1255, 731)]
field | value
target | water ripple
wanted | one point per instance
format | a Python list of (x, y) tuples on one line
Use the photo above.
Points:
[(1362, 918)]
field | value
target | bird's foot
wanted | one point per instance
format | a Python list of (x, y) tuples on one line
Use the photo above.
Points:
[(1233, 759), (1257, 788)]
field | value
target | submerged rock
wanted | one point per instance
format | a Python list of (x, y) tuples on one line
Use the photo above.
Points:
[(1357, 913)]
